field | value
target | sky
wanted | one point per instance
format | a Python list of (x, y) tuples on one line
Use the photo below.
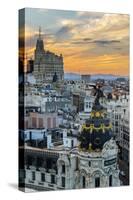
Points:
[(90, 42)]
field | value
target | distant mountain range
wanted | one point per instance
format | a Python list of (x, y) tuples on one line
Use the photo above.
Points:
[(74, 76), (104, 76)]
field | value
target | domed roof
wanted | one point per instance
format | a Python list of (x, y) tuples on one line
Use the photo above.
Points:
[(97, 129)]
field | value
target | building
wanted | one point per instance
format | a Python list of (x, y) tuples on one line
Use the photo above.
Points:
[(124, 146), (78, 100), (88, 104), (115, 111), (86, 77), (118, 113), (30, 66), (49, 102), (39, 120), (47, 64), (57, 102), (90, 161), (51, 170), (124, 136), (29, 80)]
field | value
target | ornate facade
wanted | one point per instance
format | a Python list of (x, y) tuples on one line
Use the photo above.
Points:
[(47, 64), (71, 169)]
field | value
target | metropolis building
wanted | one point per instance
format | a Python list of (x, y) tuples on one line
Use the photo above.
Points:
[(89, 163), (46, 64)]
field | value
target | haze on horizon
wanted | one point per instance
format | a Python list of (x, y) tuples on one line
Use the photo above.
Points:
[(90, 42)]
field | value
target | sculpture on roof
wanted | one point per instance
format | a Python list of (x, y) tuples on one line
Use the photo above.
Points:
[(98, 93)]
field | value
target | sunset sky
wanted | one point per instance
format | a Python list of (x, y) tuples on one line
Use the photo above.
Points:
[(91, 43)]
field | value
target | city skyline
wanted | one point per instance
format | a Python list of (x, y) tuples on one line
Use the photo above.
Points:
[(90, 42), (74, 130)]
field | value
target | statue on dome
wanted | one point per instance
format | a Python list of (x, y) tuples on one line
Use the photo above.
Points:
[(98, 93)]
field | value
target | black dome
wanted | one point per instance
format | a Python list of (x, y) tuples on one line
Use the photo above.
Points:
[(97, 129)]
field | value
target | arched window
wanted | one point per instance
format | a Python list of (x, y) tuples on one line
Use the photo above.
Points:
[(63, 169), (97, 182)]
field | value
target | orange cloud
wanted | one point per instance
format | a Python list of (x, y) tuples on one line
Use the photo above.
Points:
[(105, 51)]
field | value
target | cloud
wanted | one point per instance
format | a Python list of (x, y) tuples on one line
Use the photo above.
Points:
[(90, 15), (98, 42), (89, 41), (106, 42), (67, 29), (64, 32)]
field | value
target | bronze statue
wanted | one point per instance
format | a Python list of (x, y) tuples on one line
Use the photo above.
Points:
[(98, 93)]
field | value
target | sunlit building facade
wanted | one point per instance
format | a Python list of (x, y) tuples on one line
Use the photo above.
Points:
[(47, 64)]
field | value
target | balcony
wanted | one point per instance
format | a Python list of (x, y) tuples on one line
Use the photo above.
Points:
[(40, 183)]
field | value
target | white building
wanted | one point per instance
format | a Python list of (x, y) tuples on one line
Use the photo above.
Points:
[(88, 104), (75, 169), (124, 136), (115, 111)]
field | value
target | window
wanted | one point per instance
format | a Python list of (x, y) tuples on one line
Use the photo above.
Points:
[(83, 181), (116, 116), (40, 123), (72, 143), (52, 178), (110, 180), (54, 122), (97, 182), (87, 105), (34, 122), (63, 181), (63, 169), (89, 163), (30, 135), (116, 123), (48, 122), (42, 177), (33, 176), (116, 130)]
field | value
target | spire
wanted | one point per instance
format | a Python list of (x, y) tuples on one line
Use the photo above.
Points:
[(39, 32), (39, 44)]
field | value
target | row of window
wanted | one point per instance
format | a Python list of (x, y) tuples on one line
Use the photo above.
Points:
[(88, 105), (97, 181), (43, 179)]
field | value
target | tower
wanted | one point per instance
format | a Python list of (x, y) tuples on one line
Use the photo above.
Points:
[(97, 129), (98, 165), (39, 44), (46, 63)]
